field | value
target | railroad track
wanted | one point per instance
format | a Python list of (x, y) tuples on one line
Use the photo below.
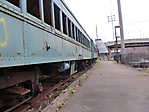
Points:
[(43, 99)]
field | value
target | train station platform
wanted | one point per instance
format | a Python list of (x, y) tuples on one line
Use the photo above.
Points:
[(112, 87)]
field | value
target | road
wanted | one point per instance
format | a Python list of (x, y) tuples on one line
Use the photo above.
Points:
[(112, 87)]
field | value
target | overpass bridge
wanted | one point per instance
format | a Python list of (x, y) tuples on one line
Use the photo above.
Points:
[(136, 51), (129, 43)]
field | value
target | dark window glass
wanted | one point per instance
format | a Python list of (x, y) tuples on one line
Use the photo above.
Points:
[(47, 11), (64, 23), (83, 40), (69, 27), (79, 36), (15, 2), (88, 43), (76, 34), (73, 31), (33, 8), (57, 17)]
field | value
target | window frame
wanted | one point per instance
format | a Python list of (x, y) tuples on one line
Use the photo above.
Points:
[(14, 7), (76, 34), (73, 30), (69, 28), (51, 15), (59, 29), (14, 4), (32, 16), (66, 26)]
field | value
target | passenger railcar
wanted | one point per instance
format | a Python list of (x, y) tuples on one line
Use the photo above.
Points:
[(40, 31), (36, 35)]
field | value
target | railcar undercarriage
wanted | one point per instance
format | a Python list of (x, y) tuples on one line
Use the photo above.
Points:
[(18, 85)]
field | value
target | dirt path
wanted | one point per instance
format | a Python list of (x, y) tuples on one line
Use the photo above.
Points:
[(112, 88)]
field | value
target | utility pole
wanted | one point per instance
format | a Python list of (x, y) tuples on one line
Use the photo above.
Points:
[(116, 38), (121, 26), (112, 19)]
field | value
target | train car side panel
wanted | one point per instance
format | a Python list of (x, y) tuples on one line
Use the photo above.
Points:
[(54, 48), (41, 46), (11, 41), (69, 50), (86, 54)]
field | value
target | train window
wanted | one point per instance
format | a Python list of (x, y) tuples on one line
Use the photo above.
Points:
[(73, 31), (33, 8), (15, 2), (47, 11), (76, 34), (64, 23), (83, 40), (69, 27), (87, 42), (79, 36), (57, 17)]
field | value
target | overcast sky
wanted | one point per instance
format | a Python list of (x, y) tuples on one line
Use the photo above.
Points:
[(92, 12)]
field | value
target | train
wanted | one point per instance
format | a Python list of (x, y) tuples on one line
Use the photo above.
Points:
[(39, 37)]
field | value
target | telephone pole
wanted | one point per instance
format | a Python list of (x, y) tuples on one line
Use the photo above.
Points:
[(121, 25)]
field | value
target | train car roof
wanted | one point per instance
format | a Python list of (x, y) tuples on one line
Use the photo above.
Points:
[(74, 17)]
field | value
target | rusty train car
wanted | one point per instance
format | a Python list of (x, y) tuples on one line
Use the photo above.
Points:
[(39, 37)]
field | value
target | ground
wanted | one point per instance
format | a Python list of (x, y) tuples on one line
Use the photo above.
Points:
[(112, 87)]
